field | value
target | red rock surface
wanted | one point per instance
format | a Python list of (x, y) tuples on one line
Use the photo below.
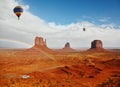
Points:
[(41, 45), (67, 45), (96, 45), (67, 48), (39, 41)]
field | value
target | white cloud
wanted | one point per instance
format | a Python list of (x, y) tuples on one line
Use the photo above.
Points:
[(31, 25), (105, 19)]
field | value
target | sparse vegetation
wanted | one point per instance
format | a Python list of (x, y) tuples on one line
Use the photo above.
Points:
[(91, 76)]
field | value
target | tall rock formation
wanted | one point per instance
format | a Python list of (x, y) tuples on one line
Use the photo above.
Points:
[(40, 42), (96, 45), (39, 50), (67, 45), (67, 48)]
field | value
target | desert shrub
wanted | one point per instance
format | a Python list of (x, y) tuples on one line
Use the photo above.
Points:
[(90, 76), (101, 85), (116, 75), (81, 74), (111, 82), (68, 81), (40, 80), (66, 67)]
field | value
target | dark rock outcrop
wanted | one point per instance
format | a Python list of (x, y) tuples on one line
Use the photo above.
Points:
[(96, 44), (67, 45), (67, 48), (40, 42)]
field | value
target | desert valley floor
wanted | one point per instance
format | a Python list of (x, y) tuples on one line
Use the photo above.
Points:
[(41, 67)]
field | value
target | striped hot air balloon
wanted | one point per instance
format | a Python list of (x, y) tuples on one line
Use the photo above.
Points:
[(18, 10)]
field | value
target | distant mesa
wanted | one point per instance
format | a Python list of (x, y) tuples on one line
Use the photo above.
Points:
[(40, 42), (39, 49), (67, 48), (39, 46), (67, 45), (96, 45)]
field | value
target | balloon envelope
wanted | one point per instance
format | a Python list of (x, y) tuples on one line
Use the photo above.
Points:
[(18, 10)]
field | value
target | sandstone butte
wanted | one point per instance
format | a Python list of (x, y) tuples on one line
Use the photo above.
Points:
[(40, 42), (96, 45)]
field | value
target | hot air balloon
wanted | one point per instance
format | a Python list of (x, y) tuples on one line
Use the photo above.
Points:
[(84, 29), (18, 10)]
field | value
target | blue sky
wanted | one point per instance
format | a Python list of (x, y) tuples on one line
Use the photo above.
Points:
[(68, 11), (60, 21)]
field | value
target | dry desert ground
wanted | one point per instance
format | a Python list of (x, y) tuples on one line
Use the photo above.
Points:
[(37, 67)]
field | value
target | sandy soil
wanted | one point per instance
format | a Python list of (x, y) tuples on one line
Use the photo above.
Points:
[(45, 68)]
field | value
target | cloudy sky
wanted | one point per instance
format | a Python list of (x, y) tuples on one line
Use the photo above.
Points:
[(60, 21)]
